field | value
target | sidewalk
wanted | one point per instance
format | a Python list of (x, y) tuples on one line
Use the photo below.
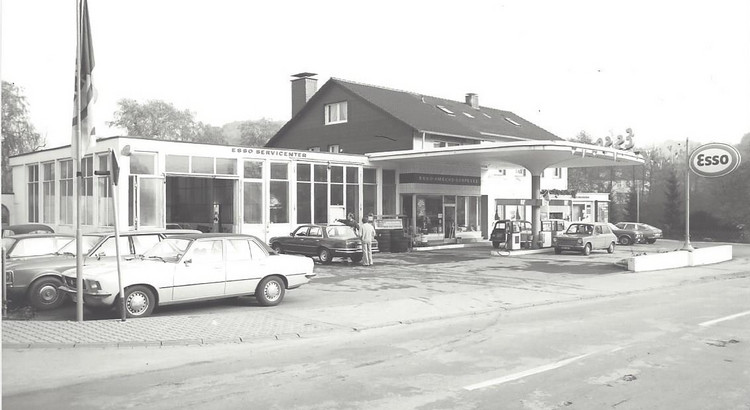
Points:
[(443, 299)]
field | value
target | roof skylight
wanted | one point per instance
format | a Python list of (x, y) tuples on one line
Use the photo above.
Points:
[(512, 122), (445, 109), (486, 115), (468, 115)]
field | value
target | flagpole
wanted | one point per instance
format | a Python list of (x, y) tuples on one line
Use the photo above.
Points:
[(77, 167)]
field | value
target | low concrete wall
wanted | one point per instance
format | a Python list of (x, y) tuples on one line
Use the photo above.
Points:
[(680, 259), (714, 254), (658, 261)]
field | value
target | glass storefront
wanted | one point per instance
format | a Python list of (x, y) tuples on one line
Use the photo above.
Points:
[(446, 217)]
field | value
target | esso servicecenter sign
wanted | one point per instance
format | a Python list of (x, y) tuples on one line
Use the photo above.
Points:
[(714, 159)]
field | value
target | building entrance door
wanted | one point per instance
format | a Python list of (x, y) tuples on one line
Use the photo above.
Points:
[(449, 226)]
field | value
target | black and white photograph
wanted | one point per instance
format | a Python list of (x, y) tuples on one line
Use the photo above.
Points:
[(425, 205)]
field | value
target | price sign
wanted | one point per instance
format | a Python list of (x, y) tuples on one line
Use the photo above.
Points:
[(714, 160)]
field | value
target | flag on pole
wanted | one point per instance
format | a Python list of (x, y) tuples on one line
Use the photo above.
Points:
[(83, 138)]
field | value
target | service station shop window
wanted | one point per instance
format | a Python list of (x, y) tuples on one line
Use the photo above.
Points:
[(304, 194), (48, 192), (389, 192), (67, 209), (202, 165), (320, 193), (33, 192), (369, 191), (253, 192), (104, 194), (510, 212), (150, 196), (87, 191), (352, 190), (279, 185)]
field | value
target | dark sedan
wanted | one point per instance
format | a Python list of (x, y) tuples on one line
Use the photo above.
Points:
[(324, 241), (627, 236), (650, 233)]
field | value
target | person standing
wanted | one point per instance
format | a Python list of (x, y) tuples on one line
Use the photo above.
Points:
[(367, 233)]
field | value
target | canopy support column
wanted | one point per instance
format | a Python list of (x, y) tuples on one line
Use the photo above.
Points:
[(536, 219)]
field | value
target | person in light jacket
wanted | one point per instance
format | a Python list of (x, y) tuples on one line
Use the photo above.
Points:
[(367, 233)]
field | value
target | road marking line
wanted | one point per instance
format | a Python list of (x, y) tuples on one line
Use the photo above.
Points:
[(725, 318), (525, 373)]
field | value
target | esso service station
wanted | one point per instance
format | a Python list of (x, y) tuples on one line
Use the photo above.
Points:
[(714, 159)]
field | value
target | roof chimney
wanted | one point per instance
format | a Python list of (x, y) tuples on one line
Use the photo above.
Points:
[(303, 87), (472, 100)]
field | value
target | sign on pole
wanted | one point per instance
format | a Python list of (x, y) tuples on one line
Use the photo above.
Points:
[(714, 160)]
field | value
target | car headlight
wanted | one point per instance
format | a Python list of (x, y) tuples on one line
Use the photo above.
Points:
[(554, 240), (580, 241), (92, 285)]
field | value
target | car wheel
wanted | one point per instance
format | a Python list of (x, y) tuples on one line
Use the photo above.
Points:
[(586, 250), (45, 295), (558, 251), (495, 245), (625, 240), (356, 258), (651, 241), (325, 255), (611, 248), (270, 291), (139, 302), (277, 248)]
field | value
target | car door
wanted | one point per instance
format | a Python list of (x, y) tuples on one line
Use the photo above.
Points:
[(246, 264), (202, 272), (599, 237), (313, 240), (296, 244)]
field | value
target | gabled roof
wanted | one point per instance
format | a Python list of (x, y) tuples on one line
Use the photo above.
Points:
[(455, 118)]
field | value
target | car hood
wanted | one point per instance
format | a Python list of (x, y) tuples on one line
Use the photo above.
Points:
[(41, 262), (573, 235), (108, 266)]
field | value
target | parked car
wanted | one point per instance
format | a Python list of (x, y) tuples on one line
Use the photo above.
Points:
[(35, 281), (324, 241), (18, 247), (22, 229), (650, 233), (627, 236), (584, 237), (191, 268)]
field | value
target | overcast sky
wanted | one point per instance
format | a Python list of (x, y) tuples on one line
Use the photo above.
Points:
[(669, 69)]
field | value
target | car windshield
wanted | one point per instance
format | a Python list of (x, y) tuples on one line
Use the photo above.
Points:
[(580, 229), (343, 232), (8, 242), (169, 248), (89, 241)]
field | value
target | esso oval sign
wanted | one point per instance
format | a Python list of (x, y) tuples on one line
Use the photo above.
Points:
[(714, 159)]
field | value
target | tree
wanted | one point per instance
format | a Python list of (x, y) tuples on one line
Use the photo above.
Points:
[(160, 120), (673, 204), (731, 193), (257, 133), (18, 134)]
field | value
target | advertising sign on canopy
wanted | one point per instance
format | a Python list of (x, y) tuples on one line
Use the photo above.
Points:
[(714, 160)]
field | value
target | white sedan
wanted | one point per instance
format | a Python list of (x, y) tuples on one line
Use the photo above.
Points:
[(191, 268)]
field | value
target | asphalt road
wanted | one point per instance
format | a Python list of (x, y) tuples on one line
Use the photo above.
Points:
[(682, 347)]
